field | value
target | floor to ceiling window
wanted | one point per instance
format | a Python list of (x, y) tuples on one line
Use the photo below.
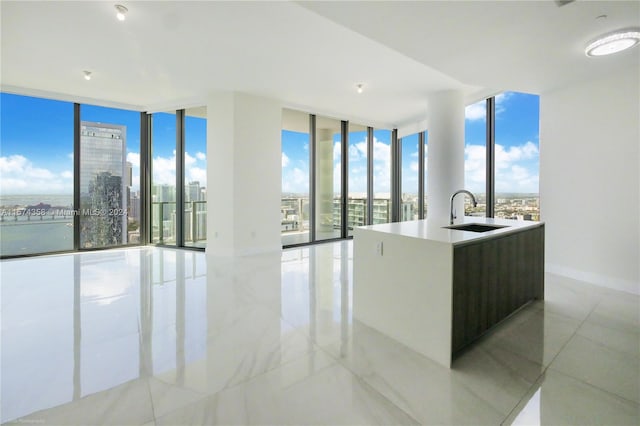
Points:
[(357, 175), (505, 128), (410, 162), (163, 179), (195, 178), (517, 156), (73, 173), (381, 176), (109, 177), (36, 175), (426, 155), (328, 158), (475, 164), (294, 205)]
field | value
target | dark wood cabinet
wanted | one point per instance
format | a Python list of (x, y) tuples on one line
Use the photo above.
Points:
[(492, 279)]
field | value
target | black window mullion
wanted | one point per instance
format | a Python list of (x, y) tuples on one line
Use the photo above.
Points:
[(369, 215), (344, 199), (180, 178), (490, 155), (312, 177), (76, 175), (145, 178), (395, 176)]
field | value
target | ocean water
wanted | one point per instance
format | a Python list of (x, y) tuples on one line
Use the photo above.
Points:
[(35, 237), (55, 200)]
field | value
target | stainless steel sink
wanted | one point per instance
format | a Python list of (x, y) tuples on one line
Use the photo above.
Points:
[(475, 227)]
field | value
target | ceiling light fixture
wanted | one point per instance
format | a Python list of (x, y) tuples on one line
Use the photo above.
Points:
[(122, 11), (613, 42), (359, 87), (87, 75)]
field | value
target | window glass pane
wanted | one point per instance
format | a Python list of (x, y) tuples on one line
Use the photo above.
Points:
[(294, 205), (163, 180), (381, 176), (357, 176), (426, 155), (517, 156), (109, 177), (328, 178), (410, 162), (475, 163), (195, 177), (36, 175)]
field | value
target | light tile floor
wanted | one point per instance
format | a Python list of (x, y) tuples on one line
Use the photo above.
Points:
[(154, 336)]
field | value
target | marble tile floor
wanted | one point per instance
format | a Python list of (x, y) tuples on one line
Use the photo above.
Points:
[(157, 336)]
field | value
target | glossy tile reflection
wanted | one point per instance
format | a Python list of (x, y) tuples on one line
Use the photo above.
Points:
[(148, 336)]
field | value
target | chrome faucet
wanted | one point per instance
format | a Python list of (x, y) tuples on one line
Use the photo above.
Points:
[(473, 199)]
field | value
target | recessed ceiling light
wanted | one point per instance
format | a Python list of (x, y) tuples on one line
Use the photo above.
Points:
[(122, 11), (87, 75), (613, 42), (359, 87)]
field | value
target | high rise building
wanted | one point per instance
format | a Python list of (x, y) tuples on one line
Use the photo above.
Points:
[(192, 191), (103, 185)]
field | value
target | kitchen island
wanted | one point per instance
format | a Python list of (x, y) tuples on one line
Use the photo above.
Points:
[(437, 289)]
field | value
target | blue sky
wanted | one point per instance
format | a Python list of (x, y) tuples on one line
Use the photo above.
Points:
[(37, 145), (36, 151), (517, 142)]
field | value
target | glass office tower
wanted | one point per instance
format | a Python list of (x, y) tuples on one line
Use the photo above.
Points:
[(104, 185)]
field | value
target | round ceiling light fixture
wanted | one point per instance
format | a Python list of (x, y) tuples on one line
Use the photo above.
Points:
[(87, 75), (359, 87), (122, 11), (613, 42)]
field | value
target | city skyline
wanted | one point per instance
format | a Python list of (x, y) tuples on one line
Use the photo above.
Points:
[(38, 158)]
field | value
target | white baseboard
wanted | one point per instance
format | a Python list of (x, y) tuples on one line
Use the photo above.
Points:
[(613, 283)]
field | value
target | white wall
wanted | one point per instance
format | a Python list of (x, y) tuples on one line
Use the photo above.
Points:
[(243, 174), (589, 180), (445, 162)]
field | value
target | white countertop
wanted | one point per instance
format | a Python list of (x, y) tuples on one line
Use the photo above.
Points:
[(430, 229)]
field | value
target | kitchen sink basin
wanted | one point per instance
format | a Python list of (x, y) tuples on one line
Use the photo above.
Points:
[(475, 227)]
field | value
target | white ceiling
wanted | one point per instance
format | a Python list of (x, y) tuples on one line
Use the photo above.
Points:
[(528, 46), (309, 55)]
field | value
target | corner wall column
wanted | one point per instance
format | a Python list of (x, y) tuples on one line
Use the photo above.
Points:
[(445, 163), (244, 180)]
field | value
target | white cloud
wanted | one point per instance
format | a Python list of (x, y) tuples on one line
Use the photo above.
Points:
[(337, 150), (504, 157), (134, 159), (474, 168), (164, 170), (201, 156), (516, 168), (381, 167), (196, 174), (477, 111), (503, 97), (188, 159), (296, 181), (18, 175), (67, 174), (285, 160), (358, 150)]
